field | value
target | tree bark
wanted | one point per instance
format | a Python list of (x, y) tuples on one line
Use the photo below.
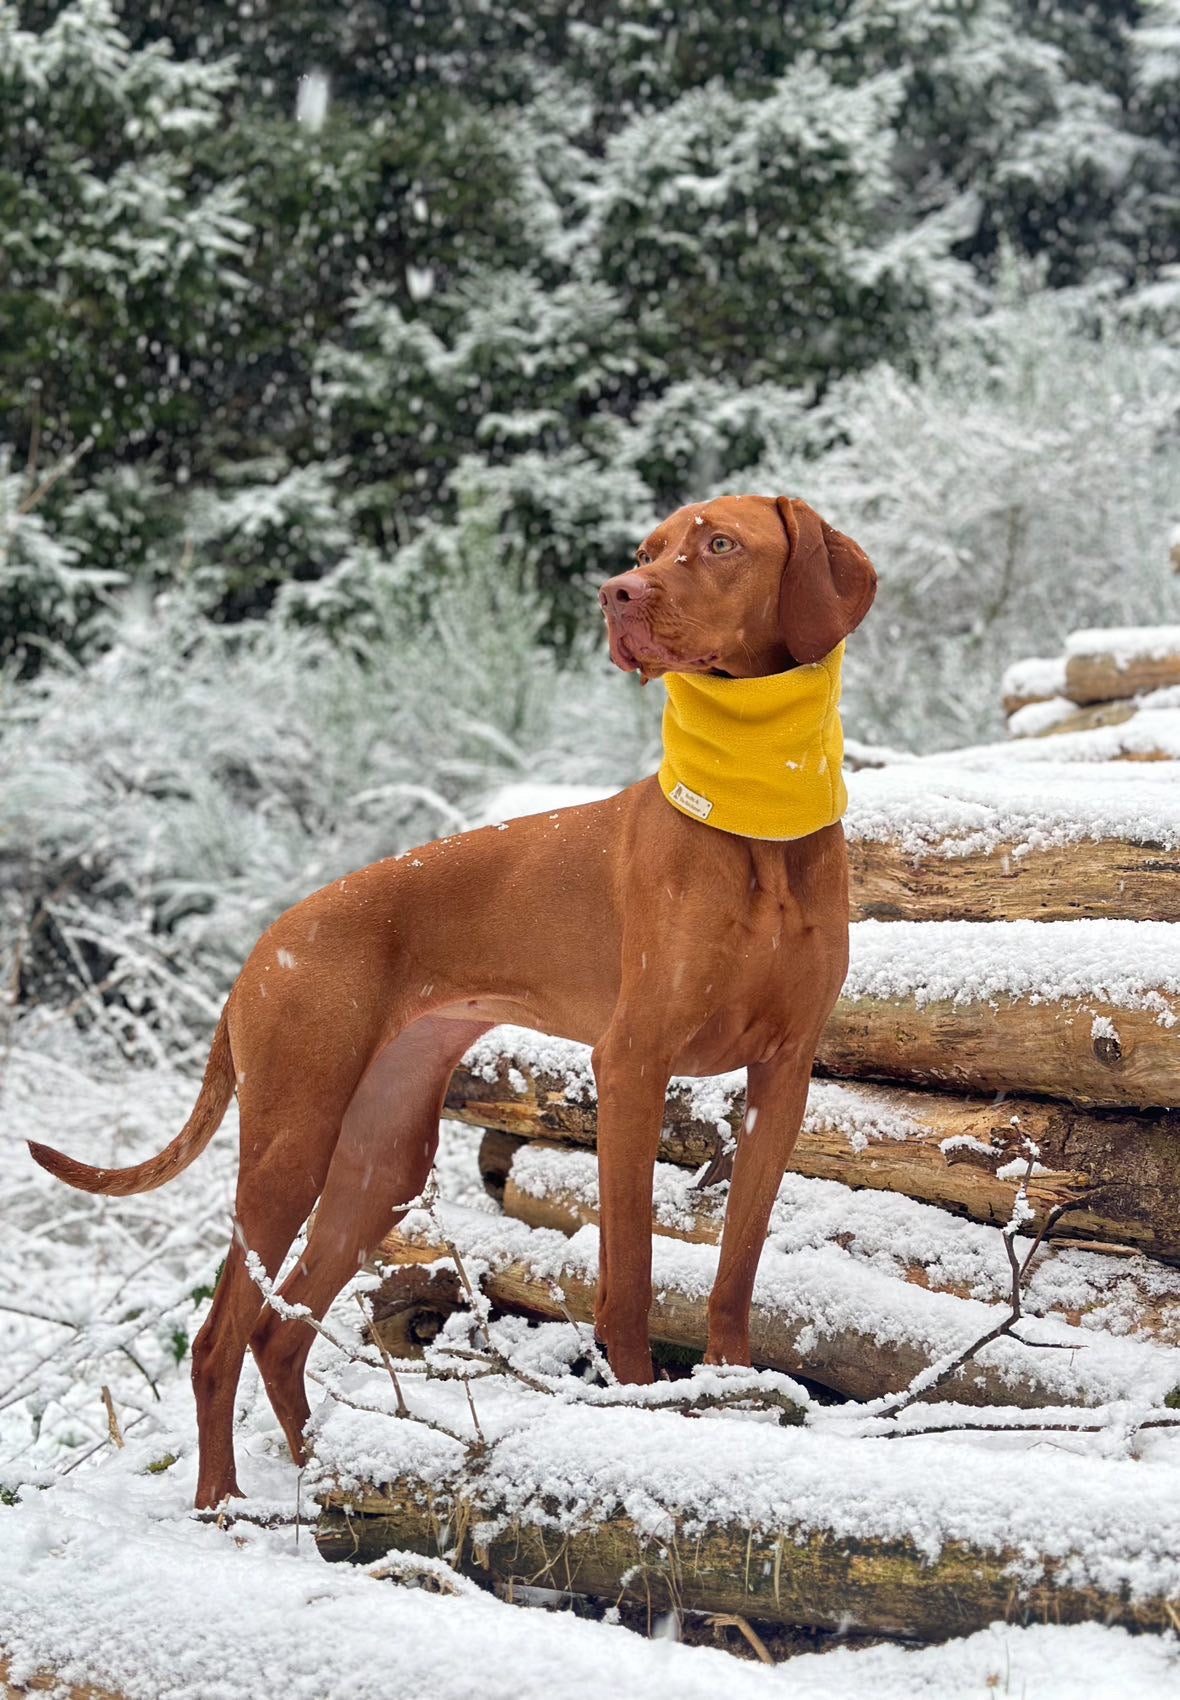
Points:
[(1102, 678), (1018, 1045), (1089, 719), (48, 1682), (1106, 879), (796, 1575)]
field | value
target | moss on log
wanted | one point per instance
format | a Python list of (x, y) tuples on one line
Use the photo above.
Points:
[(796, 1575)]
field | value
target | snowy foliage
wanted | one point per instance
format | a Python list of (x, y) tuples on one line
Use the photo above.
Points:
[(163, 805), (1003, 501)]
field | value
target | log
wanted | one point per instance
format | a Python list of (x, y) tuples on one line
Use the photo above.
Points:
[(510, 1092), (795, 1573), (1107, 879), (411, 1306), (1036, 679), (1084, 720), (560, 1191), (1118, 1172), (414, 1300), (1087, 1011), (48, 1682), (1086, 1051), (814, 1314), (1151, 734), (936, 841), (1104, 666)]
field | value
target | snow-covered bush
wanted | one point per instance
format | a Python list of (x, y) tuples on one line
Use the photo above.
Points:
[(163, 805), (1023, 484)]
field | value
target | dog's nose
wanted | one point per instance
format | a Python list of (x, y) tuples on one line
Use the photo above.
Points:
[(623, 591)]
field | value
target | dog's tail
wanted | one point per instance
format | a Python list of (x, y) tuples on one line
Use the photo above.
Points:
[(215, 1094)]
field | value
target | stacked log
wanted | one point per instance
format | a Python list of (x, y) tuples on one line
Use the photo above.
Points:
[(1011, 1019), (1104, 680), (819, 1312), (944, 840), (1117, 1173)]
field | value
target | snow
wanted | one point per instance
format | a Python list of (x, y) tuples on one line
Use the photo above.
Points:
[(1125, 644), (1150, 735), (945, 808), (124, 1589), (821, 1295), (311, 102), (896, 1236), (565, 1466), (1037, 676), (1129, 964), (1037, 718), (120, 1587), (105, 1575)]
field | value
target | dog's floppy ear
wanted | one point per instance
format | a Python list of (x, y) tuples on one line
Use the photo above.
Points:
[(828, 583)]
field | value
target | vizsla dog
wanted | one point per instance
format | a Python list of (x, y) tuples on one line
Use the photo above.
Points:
[(669, 944)]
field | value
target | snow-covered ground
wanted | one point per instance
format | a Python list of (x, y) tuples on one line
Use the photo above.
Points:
[(106, 1577)]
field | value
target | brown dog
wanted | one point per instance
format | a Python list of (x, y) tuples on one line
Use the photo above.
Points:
[(670, 946)]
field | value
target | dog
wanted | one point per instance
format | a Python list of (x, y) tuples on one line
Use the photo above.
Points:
[(693, 923)]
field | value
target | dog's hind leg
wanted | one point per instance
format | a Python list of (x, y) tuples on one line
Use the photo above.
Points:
[(278, 1181), (381, 1161)]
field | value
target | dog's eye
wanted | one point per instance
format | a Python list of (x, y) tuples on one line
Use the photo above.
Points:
[(722, 545), (642, 558)]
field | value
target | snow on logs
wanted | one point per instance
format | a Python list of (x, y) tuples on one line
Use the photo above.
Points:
[(817, 1311), (554, 1186), (931, 841), (1038, 678), (816, 1525), (1118, 1173), (1121, 662), (1105, 679), (1085, 1011)]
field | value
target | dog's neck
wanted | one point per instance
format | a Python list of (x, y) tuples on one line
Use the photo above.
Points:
[(758, 757)]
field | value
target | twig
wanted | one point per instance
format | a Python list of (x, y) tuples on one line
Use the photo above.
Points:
[(401, 1409), (113, 1429), (296, 1313), (300, 1313), (937, 1375), (380, 1411), (226, 1513), (41, 490), (732, 1620), (960, 1427), (73, 1464), (478, 1303), (411, 1567), (497, 1362)]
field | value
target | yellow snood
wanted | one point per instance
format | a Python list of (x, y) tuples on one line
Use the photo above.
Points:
[(757, 757)]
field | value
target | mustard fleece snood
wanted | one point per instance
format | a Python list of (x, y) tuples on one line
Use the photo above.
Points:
[(757, 757)]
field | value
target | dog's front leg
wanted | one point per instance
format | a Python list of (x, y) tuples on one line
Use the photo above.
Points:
[(776, 1097), (632, 1082)]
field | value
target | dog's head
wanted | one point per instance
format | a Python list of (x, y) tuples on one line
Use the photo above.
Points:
[(741, 585)]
